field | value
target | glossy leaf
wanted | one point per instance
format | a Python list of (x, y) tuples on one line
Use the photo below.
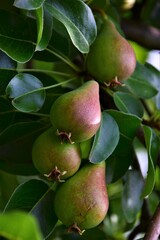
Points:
[(128, 103), (36, 198), (44, 28), (128, 124), (28, 4), (81, 29), (150, 180), (23, 89), (7, 70), (118, 163), (140, 83), (16, 146), (19, 225), (105, 140), (131, 198), (15, 38)]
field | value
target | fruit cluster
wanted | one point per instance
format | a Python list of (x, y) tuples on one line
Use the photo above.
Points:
[(81, 202)]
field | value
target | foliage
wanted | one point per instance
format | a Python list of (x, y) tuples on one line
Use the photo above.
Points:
[(43, 48)]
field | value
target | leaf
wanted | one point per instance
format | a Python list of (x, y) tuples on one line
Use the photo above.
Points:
[(22, 89), (140, 83), (16, 146), (7, 70), (128, 124), (150, 180), (44, 28), (120, 160), (19, 225), (15, 38), (82, 29), (155, 82), (131, 198), (28, 4), (35, 197), (105, 140), (128, 103)]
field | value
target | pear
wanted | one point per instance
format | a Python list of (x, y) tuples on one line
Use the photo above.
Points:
[(111, 56), (82, 201), (77, 114), (55, 159)]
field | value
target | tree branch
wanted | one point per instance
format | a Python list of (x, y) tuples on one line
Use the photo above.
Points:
[(142, 33), (153, 230)]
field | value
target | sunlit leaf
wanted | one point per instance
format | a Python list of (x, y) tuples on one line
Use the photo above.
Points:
[(150, 180), (35, 197), (81, 29), (28, 4), (19, 225), (44, 27)]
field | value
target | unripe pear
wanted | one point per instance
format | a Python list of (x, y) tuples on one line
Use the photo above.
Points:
[(111, 56), (82, 201), (53, 158), (78, 113)]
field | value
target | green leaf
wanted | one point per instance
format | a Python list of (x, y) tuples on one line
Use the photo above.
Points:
[(140, 83), (118, 163), (15, 39), (150, 180), (105, 140), (7, 71), (16, 147), (82, 29), (155, 81), (19, 225), (26, 195), (28, 4), (23, 89), (128, 124), (131, 198), (128, 103), (44, 28), (35, 197)]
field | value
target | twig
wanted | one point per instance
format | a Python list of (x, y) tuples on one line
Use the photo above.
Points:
[(153, 230)]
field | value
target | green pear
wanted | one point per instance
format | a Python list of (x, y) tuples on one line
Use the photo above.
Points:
[(77, 114), (111, 56), (82, 201), (53, 158)]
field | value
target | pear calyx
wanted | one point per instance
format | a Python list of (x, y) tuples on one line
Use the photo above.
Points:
[(82, 201)]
